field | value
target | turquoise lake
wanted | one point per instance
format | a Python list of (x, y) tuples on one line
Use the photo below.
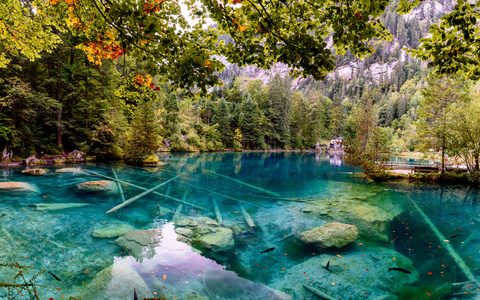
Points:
[(197, 242)]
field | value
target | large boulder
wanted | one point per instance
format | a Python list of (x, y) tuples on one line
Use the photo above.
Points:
[(98, 186), (35, 172), (363, 274), (207, 232), (330, 235), (111, 231)]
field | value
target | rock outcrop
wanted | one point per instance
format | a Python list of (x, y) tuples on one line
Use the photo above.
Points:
[(330, 235)]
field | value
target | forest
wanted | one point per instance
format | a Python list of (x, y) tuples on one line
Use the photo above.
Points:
[(110, 104)]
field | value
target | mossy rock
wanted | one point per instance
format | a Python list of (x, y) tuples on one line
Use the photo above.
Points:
[(59, 161), (75, 157)]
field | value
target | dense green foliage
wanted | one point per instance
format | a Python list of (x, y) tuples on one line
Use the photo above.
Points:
[(89, 87)]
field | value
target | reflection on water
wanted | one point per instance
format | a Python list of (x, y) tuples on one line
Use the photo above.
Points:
[(193, 237)]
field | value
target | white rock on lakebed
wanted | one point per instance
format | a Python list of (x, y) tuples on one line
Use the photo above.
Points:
[(98, 186), (330, 235), (18, 187), (34, 172), (70, 170)]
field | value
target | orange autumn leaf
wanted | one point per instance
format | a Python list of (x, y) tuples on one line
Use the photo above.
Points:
[(52, 2), (237, 2), (242, 28)]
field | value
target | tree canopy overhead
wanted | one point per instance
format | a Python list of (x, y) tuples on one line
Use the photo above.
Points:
[(304, 34)]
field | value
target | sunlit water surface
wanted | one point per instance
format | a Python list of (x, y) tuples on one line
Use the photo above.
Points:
[(316, 190)]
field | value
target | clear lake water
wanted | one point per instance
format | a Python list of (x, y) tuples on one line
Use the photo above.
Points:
[(431, 231)]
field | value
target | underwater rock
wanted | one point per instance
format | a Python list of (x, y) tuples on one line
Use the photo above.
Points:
[(111, 231), (35, 172), (140, 243), (116, 282), (219, 241), (18, 187), (371, 219), (353, 275), (70, 170), (211, 235), (184, 232), (58, 206), (330, 235), (98, 186)]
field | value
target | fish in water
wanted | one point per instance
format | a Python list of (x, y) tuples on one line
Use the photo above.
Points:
[(454, 213), (452, 237), (399, 269), (54, 276), (328, 265), (268, 250), (135, 294)]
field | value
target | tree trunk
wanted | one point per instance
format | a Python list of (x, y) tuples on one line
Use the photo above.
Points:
[(59, 96)]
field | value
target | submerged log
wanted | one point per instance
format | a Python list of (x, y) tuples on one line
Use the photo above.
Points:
[(218, 215), (225, 196), (58, 206), (141, 188), (243, 183), (453, 254), (119, 186), (178, 211), (143, 194), (318, 293), (247, 217)]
